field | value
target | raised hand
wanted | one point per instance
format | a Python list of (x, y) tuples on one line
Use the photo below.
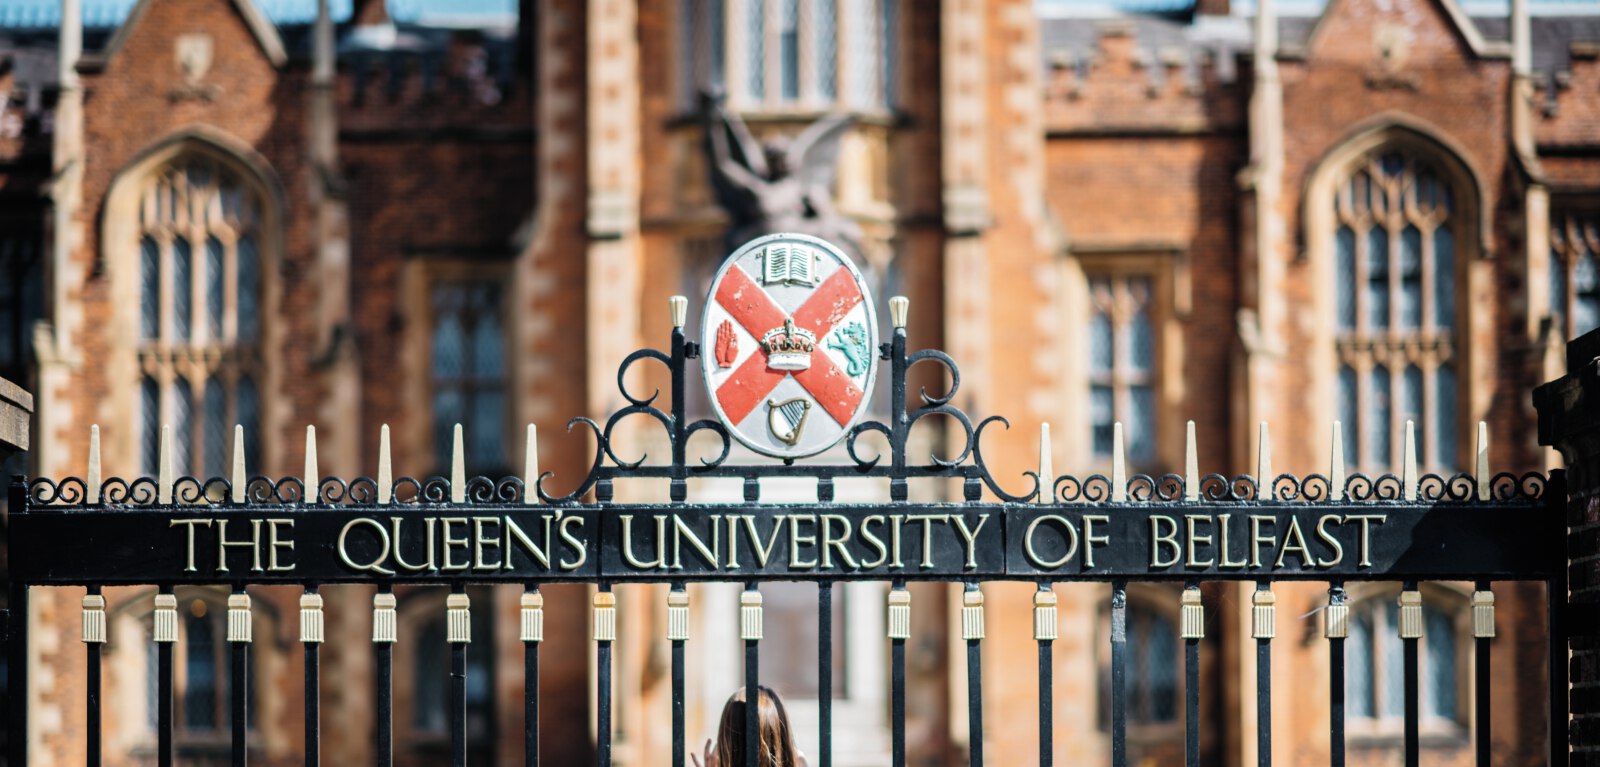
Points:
[(727, 345), (711, 758)]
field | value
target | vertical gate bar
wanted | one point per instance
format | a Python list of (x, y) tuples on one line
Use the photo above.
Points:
[(458, 634), (1263, 620), (166, 634), (1483, 633), (1337, 629), (94, 637), (677, 634), (383, 639), (605, 632), (532, 637), (311, 635), (899, 631), (1044, 631), (825, 674), (1119, 673), (1193, 625), (1555, 498), (1411, 601), (972, 632), (239, 673), (17, 645), (750, 631)]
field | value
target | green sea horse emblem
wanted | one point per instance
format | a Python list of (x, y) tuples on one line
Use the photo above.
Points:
[(851, 341)]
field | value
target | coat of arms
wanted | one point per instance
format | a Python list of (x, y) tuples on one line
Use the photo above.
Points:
[(774, 382)]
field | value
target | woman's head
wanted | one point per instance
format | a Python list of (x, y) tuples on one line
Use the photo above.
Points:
[(776, 738)]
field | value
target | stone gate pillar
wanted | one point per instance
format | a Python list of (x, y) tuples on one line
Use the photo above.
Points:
[(1569, 421)]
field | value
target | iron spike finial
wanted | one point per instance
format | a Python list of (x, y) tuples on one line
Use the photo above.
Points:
[(1483, 461), (164, 467), (679, 308), (1336, 465), (1191, 467), (530, 466), (899, 309), (237, 488), (1264, 489), (1119, 465), (1408, 471), (1047, 472), (311, 476), (385, 468), (92, 487), (458, 469)]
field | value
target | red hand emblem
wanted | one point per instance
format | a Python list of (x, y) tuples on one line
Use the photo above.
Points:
[(727, 345)]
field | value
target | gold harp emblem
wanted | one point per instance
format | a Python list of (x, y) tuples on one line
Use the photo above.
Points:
[(786, 419)]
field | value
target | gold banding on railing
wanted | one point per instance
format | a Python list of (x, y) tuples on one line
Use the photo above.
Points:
[(1483, 614), (383, 618), (1337, 624), (458, 619), (1194, 614), (1264, 614), (94, 619), (972, 614), (1410, 614), (166, 618), (605, 617), (311, 620), (1044, 615), (532, 616), (239, 623), (899, 614), (677, 615), (750, 615)]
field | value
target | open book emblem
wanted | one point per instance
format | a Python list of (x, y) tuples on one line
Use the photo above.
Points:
[(788, 263)]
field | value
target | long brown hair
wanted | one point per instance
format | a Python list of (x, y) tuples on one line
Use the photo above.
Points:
[(777, 738)]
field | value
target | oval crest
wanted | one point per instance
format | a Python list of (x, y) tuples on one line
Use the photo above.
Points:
[(788, 345)]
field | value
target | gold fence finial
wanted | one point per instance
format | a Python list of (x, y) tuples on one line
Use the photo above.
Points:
[(92, 486), (1047, 470), (605, 616), (1408, 471), (1410, 614), (385, 468), (94, 619), (239, 617), (384, 627), (972, 614), (677, 616), (1119, 465), (1044, 614), (458, 619), (1336, 465), (1193, 613), (164, 467), (1264, 489), (312, 477), (1483, 461), (458, 469), (678, 306), (530, 466), (1263, 614), (899, 309), (532, 604), (311, 620), (1191, 468), (237, 488)]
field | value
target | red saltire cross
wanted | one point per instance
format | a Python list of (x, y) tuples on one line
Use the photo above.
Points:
[(754, 309)]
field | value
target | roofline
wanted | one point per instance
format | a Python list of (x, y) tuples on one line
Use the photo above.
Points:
[(1483, 49), (261, 27)]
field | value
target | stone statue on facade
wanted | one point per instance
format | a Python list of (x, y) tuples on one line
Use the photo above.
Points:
[(781, 185)]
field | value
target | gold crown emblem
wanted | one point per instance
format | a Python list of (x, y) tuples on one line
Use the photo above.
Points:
[(789, 347)]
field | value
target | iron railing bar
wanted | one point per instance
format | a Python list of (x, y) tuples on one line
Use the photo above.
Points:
[(825, 674), (1555, 499), (1119, 673), (1413, 740), (164, 749), (530, 695), (239, 692), (313, 686), (383, 676), (1480, 693), (1264, 685), (752, 693), (1191, 696), (1336, 683), (458, 692), (679, 712), (1047, 744), (897, 693), (92, 694), (603, 693), (974, 684)]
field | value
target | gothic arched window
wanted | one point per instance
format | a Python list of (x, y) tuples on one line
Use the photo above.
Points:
[(1375, 663), (1575, 272), (1395, 245), (199, 326)]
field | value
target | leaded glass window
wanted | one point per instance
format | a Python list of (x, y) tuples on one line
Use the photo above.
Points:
[(469, 372), (199, 314), (21, 295), (1375, 664), (430, 674), (201, 684), (1394, 250), (1574, 272), (1122, 363), (1153, 682)]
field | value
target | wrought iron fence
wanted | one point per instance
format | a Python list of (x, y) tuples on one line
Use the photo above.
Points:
[(1184, 528)]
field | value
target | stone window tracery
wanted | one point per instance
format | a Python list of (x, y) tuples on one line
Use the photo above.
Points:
[(1122, 363), (1375, 657), (1575, 272), (199, 326), (1395, 251), (469, 375)]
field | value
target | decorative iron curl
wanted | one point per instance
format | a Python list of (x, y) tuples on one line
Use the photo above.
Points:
[(139, 492), (363, 490), (974, 443), (970, 439), (715, 427), (1216, 487), (1433, 487), (590, 477), (622, 372), (1092, 489), (68, 491), (948, 363), (1506, 486), (1311, 488), (405, 490), (510, 490), (856, 432), (286, 490), (611, 423), (435, 489)]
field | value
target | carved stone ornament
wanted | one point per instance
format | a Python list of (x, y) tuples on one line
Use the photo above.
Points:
[(790, 320)]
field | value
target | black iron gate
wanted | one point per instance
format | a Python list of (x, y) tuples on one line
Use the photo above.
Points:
[(1186, 528)]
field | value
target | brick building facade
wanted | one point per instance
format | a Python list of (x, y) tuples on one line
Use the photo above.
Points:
[(218, 212)]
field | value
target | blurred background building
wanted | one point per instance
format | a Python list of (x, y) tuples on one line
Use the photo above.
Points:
[(423, 212)]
